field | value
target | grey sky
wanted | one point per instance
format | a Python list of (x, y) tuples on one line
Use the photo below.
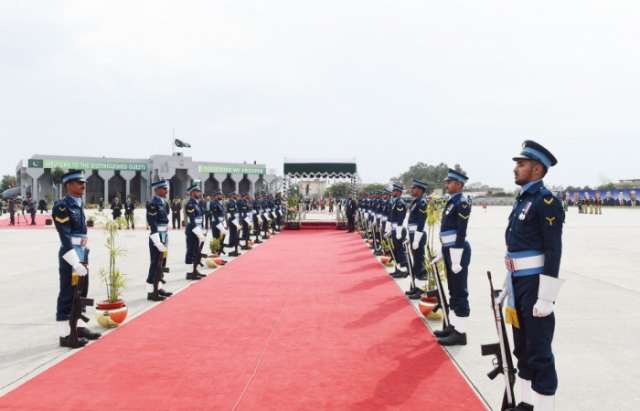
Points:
[(388, 82)]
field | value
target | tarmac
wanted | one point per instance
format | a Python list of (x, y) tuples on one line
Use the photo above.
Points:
[(597, 326)]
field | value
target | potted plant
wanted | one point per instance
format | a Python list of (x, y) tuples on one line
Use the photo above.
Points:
[(91, 222), (214, 259), (112, 311)]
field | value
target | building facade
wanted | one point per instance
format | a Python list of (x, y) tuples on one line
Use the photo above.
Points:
[(111, 177)]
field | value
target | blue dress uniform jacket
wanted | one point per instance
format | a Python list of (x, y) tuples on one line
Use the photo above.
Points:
[(158, 222), (217, 213), (397, 214), (194, 219), (534, 230), (453, 234), (68, 216)]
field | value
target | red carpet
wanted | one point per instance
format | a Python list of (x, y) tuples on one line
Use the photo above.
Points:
[(308, 321), (21, 224)]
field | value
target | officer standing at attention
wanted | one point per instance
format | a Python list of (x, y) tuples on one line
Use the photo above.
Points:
[(195, 234), (217, 215), (534, 248), (129, 209), (398, 213), (71, 224), (158, 221), (351, 209), (417, 235), (456, 252), (243, 210), (233, 224)]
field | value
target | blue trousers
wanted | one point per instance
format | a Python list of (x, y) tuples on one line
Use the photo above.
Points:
[(65, 293), (398, 250), (418, 255), (532, 341), (155, 262), (193, 247), (457, 282)]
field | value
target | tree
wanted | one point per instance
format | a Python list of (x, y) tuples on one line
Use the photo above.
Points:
[(431, 175), (8, 181), (339, 190), (56, 176), (367, 188)]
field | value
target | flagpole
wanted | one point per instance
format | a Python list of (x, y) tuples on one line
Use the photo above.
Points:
[(173, 142)]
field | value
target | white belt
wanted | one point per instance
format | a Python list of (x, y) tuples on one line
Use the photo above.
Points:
[(448, 238), (413, 227), (81, 241), (162, 228), (384, 219), (394, 226), (515, 264)]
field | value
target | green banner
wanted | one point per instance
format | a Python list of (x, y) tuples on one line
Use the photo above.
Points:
[(86, 165), (232, 169)]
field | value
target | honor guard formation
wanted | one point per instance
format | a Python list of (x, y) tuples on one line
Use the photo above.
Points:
[(398, 225)]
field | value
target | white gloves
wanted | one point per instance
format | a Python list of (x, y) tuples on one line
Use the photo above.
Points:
[(548, 291), (456, 259), (72, 258), (197, 230), (399, 232), (416, 239), (387, 230), (437, 258), (155, 239)]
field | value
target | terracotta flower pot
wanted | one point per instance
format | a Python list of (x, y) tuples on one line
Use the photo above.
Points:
[(428, 299), (211, 263), (111, 314), (219, 261), (425, 308), (386, 260)]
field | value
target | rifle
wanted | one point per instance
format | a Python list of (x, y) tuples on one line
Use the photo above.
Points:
[(79, 302), (409, 252), (442, 296), (501, 351)]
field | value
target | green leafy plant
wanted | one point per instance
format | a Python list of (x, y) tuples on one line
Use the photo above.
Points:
[(114, 279), (435, 207), (214, 245)]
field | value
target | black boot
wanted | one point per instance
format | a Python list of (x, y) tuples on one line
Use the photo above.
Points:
[(193, 276), (164, 293), (88, 334), (454, 338), (165, 269), (68, 343), (399, 274), (155, 296), (523, 406), (444, 332)]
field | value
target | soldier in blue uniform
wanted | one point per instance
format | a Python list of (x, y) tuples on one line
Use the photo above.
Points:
[(70, 222), (233, 223), (397, 216), (278, 212), (456, 252), (157, 220), (257, 217), (534, 248), (246, 221), (217, 215), (417, 235), (194, 233)]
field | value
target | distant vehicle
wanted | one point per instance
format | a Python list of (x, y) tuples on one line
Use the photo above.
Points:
[(10, 193)]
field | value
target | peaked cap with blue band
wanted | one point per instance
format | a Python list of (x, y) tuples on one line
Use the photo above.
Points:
[(419, 184), (73, 175), (397, 187), (456, 176), (160, 184), (195, 186), (534, 151)]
